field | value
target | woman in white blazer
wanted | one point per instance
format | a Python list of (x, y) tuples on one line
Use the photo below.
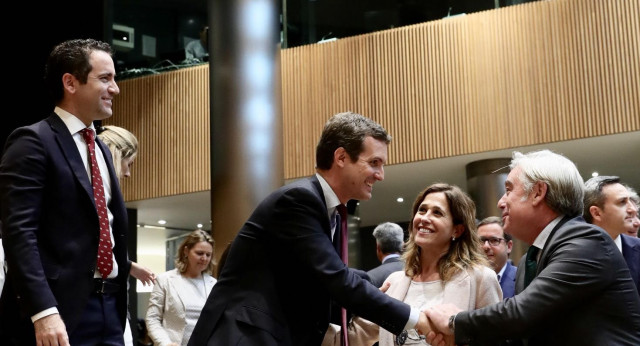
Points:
[(179, 294), (444, 263)]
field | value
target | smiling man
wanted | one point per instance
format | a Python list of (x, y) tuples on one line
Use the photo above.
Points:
[(284, 268), (580, 291), (61, 202)]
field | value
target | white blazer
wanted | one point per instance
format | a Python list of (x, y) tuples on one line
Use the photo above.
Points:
[(166, 314), (468, 290)]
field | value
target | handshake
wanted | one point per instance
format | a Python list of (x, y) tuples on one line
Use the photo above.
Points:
[(436, 325)]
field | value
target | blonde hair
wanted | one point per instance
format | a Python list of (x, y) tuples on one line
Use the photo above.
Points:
[(188, 243), (465, 252), (122, 143)]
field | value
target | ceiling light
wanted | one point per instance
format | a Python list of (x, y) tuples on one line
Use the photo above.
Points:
[(594, 174), (400, 199), (162, 222), (199, 225)]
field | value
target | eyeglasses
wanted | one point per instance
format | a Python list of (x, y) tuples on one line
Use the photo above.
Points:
[(410, 334), (493, 241)]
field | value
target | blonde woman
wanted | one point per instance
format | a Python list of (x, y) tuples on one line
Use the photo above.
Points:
[(444, 263), (179, 294), (124, 148)]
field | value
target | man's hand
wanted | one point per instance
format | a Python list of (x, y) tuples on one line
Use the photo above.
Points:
[(51, 331), (426, 327), (385, 286), (439, 316), (144, 274)]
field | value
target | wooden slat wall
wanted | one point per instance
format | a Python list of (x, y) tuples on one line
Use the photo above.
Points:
[(169, 113), (521, 75), (529, 74)]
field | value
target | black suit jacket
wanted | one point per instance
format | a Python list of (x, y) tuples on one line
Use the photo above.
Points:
[(381, 272), (631, 254), (51, 230), (280, 275), (582, 295)]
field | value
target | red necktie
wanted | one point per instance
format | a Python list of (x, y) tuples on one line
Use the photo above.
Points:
[(344, 254), (105, 254)]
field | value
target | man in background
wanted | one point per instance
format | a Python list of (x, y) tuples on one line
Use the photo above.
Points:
[(609, 205), (497, 246), (389, 240)]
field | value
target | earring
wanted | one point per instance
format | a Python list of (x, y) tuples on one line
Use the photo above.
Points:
[(453, 238)]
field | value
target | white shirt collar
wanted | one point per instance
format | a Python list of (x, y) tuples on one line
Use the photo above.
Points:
[(71, 121), (330, 197), (618, 242), (390, 256), (501, 272), (541, 239)]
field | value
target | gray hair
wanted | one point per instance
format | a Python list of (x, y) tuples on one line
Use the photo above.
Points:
[(593, 195), (390, 237), (565, 187)]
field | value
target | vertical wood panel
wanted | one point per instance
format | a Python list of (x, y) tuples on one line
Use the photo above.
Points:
[(521, 75)]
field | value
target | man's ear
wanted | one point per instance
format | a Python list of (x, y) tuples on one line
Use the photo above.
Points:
[(538, 191), (596, 213), (69, 82), (340, 157)]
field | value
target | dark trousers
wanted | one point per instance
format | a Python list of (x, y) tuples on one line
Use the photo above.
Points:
[(100, 324)]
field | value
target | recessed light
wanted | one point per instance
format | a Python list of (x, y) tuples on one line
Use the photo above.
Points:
[(594, 174), (400, 199), (199, 225), (162, 222)]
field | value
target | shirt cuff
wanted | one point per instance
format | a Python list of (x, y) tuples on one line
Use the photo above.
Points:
[(414, 316), (44, 313)]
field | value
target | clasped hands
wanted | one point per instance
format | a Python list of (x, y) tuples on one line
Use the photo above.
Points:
[(434, 324)]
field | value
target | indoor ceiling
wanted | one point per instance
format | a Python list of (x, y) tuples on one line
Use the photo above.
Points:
[(608, 155)]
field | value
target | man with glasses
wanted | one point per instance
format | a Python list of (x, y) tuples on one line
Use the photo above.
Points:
[(497, 246)]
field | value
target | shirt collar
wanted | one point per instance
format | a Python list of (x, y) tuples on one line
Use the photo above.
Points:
[(71, 121), (390, 256), (541, 239), (501, 272), (618, 242), (330, 197)]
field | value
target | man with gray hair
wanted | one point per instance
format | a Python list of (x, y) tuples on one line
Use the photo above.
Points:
[(577, 287), (389, 240), (609, 204)]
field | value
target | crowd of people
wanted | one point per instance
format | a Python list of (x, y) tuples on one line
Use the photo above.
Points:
[(285, 278)]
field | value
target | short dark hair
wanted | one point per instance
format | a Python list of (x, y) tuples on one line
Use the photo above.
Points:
[(593, 193), (498, 221), (347, 130), (70, 57)]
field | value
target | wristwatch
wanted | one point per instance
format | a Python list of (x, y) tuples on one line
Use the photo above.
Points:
[(452, 323)]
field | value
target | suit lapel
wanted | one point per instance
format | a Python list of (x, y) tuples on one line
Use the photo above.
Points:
[(70, 151), (543, 256)]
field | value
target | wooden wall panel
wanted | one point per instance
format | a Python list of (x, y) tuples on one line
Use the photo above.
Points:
[(521, 75), (529, 74), (169, 113)]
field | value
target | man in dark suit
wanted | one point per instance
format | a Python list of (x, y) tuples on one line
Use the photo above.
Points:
[(609, 205), (497, 246), (389, 240), (577, 289), (283, 270), (56, 292)]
